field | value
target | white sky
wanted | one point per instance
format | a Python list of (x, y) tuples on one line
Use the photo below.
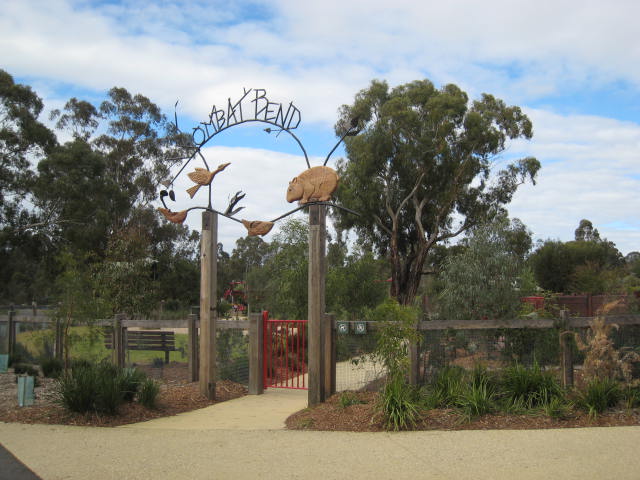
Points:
[(573, 66)]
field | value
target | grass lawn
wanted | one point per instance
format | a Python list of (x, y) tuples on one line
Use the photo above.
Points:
[(87, 343)]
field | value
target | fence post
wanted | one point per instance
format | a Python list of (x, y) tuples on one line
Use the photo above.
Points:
[(329, 354), (256, 354), (11, 332), (193, 347), (316, 303), (566, 350), (118, 340), (414, 363)]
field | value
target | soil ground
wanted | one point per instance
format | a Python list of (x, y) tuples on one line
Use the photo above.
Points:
[(177, 395)]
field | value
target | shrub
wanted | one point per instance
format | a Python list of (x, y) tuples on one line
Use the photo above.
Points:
[(76, 389), (348, 398), (557, 408), (157, 362), (446, 387), (148, 394), (131, 379), (51, 367), (532, 387), (598, 395), (25, 369), (92, 387), (630, 396), (476, 399), (397, 404)]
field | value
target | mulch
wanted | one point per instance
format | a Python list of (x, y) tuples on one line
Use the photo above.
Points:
[(363, 417), (177, 395)]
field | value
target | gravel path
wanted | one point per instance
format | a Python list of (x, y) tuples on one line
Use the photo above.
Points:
[(117, 453)]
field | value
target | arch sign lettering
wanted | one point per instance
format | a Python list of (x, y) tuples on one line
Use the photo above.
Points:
[(315, 185)]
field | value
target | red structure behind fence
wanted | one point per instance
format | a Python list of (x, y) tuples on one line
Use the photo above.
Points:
[(285, 353)]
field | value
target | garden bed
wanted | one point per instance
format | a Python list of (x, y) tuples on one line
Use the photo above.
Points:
[(362, 417), (177, 395)]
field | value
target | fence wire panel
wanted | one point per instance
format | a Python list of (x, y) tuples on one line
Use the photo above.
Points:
[(356, 368), (232, 350), (494, 348)]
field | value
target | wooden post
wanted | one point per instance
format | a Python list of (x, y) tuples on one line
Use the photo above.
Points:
[(193, 347), (59, 341), (566, 361), (256, 354), (316, 305), (118, 340), (329, 355), (208, 274), (11, 332), (414, 363)]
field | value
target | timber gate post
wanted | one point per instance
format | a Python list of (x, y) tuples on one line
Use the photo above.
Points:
[(208, 278), (316, 306), (256, 354), (329, 355)]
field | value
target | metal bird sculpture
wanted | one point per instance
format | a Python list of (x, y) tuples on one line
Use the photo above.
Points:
[(203, 177), (257, 227), (233, 202), (175, 217)]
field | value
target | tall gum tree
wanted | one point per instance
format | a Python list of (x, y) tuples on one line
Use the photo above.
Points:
[(421, 169)]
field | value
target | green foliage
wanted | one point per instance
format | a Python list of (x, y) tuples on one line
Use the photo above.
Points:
[(148, 394), (588, 265), (630, 395), (598, 395), (398, 405), (131, 379), (396, 330), (99, 387), (532, 387), (51, 367), (25, 369), (477, 399), (482, 280), (349, 398), (423, 156), (233, 355), (446, 388), (557, 408)]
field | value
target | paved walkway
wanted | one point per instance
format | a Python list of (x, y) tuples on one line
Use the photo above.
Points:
[(217, 443)]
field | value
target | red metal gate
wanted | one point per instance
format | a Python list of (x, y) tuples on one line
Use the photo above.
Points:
[(285, 353)]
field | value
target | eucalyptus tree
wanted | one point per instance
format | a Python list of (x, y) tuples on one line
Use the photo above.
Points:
[(422, 169)]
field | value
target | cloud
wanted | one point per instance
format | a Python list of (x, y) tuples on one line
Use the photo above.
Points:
[(593, 173)]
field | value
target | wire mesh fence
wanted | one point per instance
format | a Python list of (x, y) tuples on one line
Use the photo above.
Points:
[(232, 351), (356, 367)]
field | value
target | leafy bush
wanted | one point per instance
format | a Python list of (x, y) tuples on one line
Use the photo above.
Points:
[(476, 400), (76, 389), (397, 404), (25, 369), (51, 367), (92, 387), (157, 362), (531, 386), (557, 408), (446, 388), (131, 379), (630, 396), (598, 395), (148, 394), (348, 398)]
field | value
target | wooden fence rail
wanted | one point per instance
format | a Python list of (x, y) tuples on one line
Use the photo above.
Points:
[(191, 324)]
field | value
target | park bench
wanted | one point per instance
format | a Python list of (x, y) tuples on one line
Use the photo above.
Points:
[(154, 340)]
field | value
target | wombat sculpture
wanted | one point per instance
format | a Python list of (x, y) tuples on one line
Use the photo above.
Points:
[(314, 184)]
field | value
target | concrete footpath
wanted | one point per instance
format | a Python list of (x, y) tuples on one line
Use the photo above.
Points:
[(217, 443)]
